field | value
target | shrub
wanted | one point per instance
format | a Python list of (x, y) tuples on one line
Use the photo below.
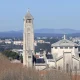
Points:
[(11, 71)]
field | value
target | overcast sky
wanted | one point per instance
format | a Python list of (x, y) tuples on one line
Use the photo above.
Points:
[(54, 14)]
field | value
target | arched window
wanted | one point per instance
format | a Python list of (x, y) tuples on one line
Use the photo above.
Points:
[(59, 68), (30, 21), (67, 67)]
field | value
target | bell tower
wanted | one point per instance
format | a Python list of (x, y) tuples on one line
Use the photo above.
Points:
[(28, 40)]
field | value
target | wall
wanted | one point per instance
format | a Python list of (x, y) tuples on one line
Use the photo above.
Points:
[(59, 63), (75, 64), (59, 52)]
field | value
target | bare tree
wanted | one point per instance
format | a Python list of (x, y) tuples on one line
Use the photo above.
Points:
[(9, 71)]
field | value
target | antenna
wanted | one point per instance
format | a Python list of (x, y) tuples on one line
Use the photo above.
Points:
[(28, 10)]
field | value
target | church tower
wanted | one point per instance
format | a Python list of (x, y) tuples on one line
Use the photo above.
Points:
[(28, 40)]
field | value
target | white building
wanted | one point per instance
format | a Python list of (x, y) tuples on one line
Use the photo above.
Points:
[(40, 62), (8, 41), (1, 41), (40, 41), (50, 60), (18, 51), (35, 43), (66, 55), (28, 40), (18, 42)]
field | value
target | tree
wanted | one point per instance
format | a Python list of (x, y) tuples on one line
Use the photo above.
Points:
[(11, 54)]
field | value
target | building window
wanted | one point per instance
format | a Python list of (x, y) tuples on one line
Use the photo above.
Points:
[(61, 47), (70, 47), (75, 46), (55, 47), (66, 47), (29, 21), (67, 67), (29, 56)]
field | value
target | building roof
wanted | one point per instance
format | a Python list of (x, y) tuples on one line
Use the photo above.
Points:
[(64, 42), (59, 58), (40, 60), (28, 15), (49, 56), (75, 58)]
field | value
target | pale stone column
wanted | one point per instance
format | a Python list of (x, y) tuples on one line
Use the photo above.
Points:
[(28, 40)]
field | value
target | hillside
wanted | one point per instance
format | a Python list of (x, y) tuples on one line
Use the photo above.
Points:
[(42, 32), (9, 71), (57, 31)]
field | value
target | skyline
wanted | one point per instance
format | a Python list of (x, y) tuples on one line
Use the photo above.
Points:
[(47, 14)]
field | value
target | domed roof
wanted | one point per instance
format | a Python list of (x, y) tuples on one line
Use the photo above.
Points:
[(64, 42)]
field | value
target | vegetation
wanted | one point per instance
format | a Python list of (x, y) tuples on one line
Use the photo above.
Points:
[(10, 71), (10, 54), (45, 46), (53, 40)]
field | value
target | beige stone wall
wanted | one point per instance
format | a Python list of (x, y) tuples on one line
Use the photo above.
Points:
[(59, 52), (59, 64), (40, 67), (28, 44), (51, 63), (75, 64)]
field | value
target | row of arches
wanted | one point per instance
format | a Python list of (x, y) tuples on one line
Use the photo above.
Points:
[(68, 68)]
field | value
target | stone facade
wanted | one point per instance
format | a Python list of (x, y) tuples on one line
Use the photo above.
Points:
[(66, 55), (28, 40)]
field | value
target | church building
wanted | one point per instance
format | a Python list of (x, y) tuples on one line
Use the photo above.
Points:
[(64, 54), (28, 40)]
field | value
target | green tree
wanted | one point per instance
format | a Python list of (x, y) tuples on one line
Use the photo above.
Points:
[(11, 54)]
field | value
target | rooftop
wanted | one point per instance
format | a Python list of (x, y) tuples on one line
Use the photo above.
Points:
[(64, 42), (28, 15)]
